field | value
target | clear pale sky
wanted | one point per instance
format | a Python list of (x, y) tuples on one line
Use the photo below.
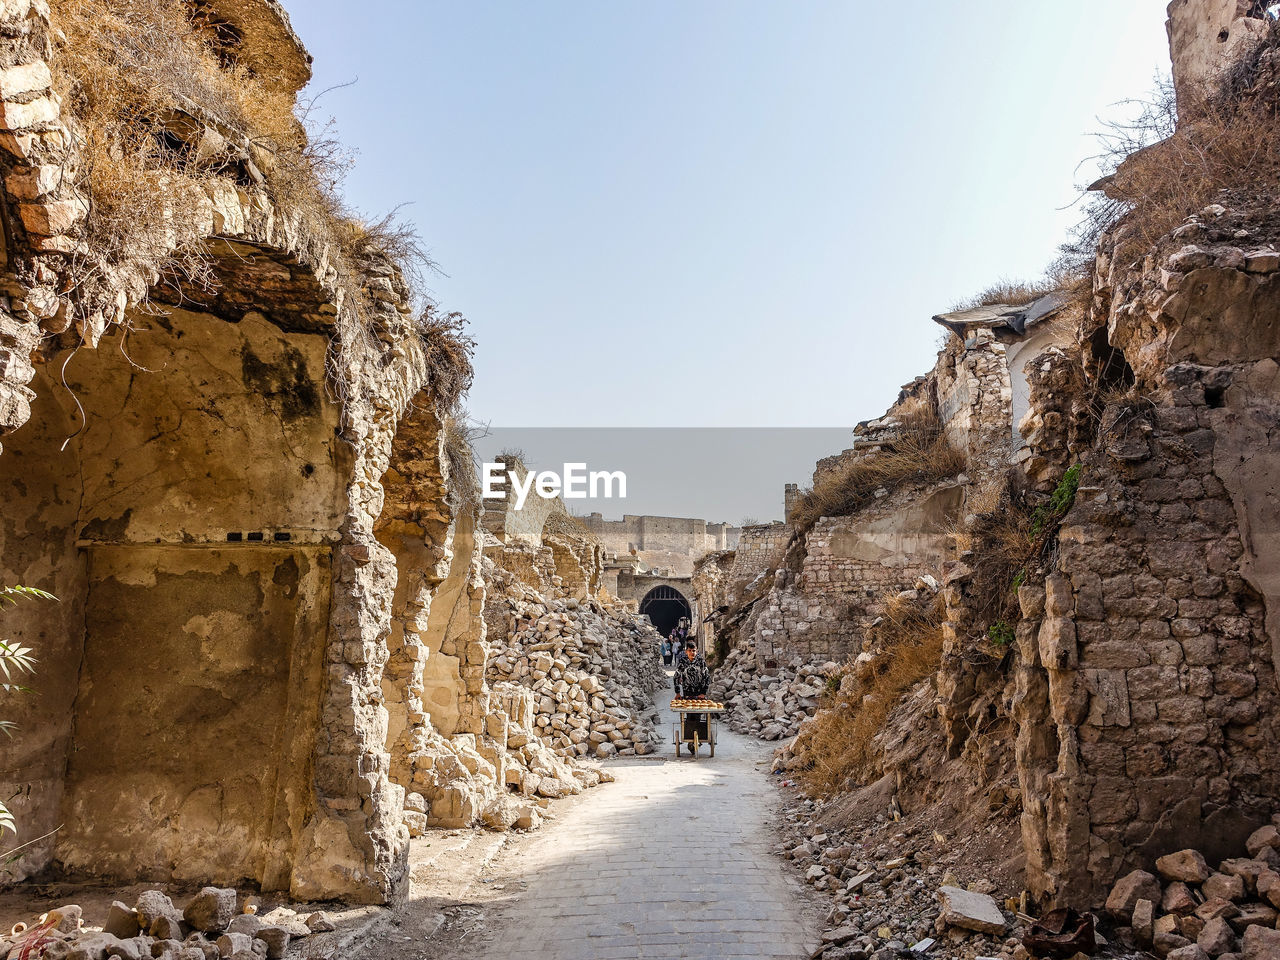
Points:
[(721, 212)]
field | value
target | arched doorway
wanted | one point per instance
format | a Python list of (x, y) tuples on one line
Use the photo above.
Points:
[(664, 606)]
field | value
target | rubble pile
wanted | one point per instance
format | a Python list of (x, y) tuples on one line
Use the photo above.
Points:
[(212, 926), (890, 897), (504, 779), (1187, 910), (769, 706), (591, 669)]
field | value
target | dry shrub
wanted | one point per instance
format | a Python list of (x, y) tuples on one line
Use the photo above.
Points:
[(919, 453), (1174, 159), (1009, 546), (838, 747), (460, 461), (448, 351), (144, 81), (126, 70), (1014, 293)]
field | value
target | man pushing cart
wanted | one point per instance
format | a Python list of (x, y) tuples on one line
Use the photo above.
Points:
[(699, 717)]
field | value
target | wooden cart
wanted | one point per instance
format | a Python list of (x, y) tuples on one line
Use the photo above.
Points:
[(698, 723)]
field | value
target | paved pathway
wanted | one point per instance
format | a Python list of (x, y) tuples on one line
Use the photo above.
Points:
[(672, 860)]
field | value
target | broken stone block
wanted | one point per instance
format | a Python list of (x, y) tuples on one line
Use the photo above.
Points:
[(247, 923), (856, 882), (91, 946), (1189, 866), (211, 909), (318, 922), (1268, 886), (1224, 885), (1166, 943), (1249, 869), (141, 943), (1177, 899), (1253, 914), (69, 918), (1216, 907), (231, 943), (1143, 920), (416, 822), (970, 911), (1190, 952), (168, 928), (1263, 838), (1128, 890), (276, 939), (199, 944), (121, 922), (1261, 943), (1217, 937), (158, 916)]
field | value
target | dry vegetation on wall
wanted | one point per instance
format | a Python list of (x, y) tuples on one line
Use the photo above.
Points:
[(162, 111), (839, 749), (1015, 293), (1174, 159), (449, 351), (919, 453), (460, 460), (1009, 545)]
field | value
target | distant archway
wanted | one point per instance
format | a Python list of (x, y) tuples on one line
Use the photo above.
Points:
[(664, 606)]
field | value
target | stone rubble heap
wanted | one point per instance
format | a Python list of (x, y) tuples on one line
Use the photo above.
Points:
[(209, 928), (463, 779), (592, 671), (768, 706), (1191, 911), (888, 902)]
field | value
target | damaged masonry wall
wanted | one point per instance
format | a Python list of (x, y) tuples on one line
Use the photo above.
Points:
[(1140, 687), (212, 483)]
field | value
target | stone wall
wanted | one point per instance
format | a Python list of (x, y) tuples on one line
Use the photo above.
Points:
[(849, 564), (1152, 651), (664, 543), (208, 496), (1206, 36), (759, 548)]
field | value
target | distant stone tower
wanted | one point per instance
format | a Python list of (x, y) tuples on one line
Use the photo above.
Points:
[(790, 498)]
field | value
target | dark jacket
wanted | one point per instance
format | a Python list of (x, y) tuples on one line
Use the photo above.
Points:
[(692, 676)]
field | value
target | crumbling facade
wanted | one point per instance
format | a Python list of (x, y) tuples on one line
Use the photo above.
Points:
[(669, 544), (1135, 690), (236, 491)]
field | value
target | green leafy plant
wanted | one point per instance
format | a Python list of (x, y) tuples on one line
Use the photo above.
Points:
[(1019, 579), (1060, 501), (1000, 633), (15, 661)]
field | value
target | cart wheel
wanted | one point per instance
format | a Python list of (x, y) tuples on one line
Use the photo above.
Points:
[(693, 747)]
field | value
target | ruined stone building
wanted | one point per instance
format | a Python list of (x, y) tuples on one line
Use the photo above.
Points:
[(668, 544), (228, 453), (1129, 699)]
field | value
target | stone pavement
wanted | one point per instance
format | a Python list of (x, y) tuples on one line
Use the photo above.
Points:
[(672, 860)]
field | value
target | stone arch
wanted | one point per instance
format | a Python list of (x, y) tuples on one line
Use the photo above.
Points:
[(664, 605)]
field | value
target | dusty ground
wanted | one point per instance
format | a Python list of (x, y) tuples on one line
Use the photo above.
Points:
[(672, 860)]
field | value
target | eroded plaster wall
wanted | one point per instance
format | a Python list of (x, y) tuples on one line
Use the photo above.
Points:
[(176, 653), (195, 712)]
